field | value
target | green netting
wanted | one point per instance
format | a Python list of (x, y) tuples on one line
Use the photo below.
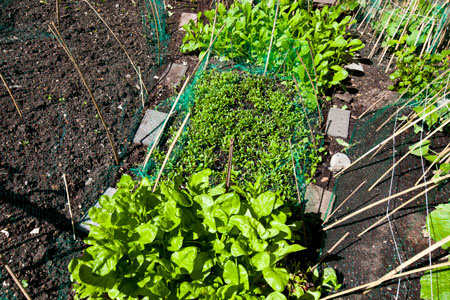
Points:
[(32, 192)]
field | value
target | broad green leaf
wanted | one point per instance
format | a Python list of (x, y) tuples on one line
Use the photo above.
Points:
[(235, 274), (126, 182), (284, 249), (340, 75), (441, 284), (159, 288), (277, 278), (264, 204), (276, 296), (175, 243), (438, 223), (199, 181), (169, 219), (329, 278), (420, 148), (229, 203), (283, 228), (237, 249), (147, 232), (105, 260), (260, 261), (206, 202), (445, 167), (339, 42), (185, 258)]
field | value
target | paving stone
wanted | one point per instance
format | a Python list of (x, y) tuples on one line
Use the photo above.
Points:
[(175, 74), (324, 2), (355, 67), (85, 222), (339, 161), (148, 129), (338, 122), (184, 19), (346, 97), (318, 200)]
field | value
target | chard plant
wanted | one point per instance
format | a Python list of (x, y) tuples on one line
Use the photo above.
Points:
[(248, 30), (200, 242)]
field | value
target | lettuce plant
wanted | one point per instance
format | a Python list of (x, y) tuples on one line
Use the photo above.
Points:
[(200, 242)]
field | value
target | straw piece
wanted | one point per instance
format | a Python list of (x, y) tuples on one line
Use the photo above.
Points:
[(385, 200), (170, 150), (70, 208), (325, 255), (11, 95), (14, 277)]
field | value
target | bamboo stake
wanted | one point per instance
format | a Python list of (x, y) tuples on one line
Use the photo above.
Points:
[(117, 40), (375, 103), (230, 164), (298, 192), (427, 40), (147, 158), (14, 277), (212, 35), (60, 40), (386, 199), (372, 52), (142, 90), (427, 268), (395, 210), (408, 262), (170, 151), (422, 27), (11, 95), (70, 208), (367, 15), (408, 153), (375, 15), (343, 202), (312, 84), (393, 136), (325, 255), (271, 38)]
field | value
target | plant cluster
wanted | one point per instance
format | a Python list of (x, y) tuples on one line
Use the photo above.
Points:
[(435, 284), (248, 30), (201, 242), (415, 72), (262, 116)]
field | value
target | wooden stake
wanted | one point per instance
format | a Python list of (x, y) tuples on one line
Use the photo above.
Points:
[(230, 164), (271, 38), (423, 269), (386, 199), (11, 95), (343, 202), (118, 41), (14, 277), (372, 52), (325, 255), (70, 208), (60, 40), (170, 151), (395, 210)]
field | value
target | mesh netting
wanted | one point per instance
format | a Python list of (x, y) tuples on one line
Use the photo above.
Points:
[(61, 132)]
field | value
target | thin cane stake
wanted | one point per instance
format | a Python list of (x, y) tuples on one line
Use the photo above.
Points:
[(117, 40), (325, 255), (408, 262), (170, 150), (444, 154), (14, 277), (230, 163), (363, 286), (372, 106), (141, 84), (386, 199), (372, 52), (271, 38), (212, 35), (398, 132), (60, 40), (11, 95), (396, 209), (343, 202), (70, 208), (156, 141)]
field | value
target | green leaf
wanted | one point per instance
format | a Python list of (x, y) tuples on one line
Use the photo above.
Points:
[(420, 148), (340, 75), (175, 243), (235, 274), (441, 284), (260, 261), (438, 223), (445, 167), (185, 258), (199, 181), (238, 249), (229, 203), (264, 204), (126, 182), (105, 260), (277, 278), (147, 232), (276, 296)]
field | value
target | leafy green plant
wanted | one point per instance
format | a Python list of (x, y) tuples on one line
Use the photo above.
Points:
[(201, 242), (414, 71), (435, 284), (248, 30), (263, 116)]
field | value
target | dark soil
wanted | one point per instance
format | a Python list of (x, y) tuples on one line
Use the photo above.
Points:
[(61, 132)]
